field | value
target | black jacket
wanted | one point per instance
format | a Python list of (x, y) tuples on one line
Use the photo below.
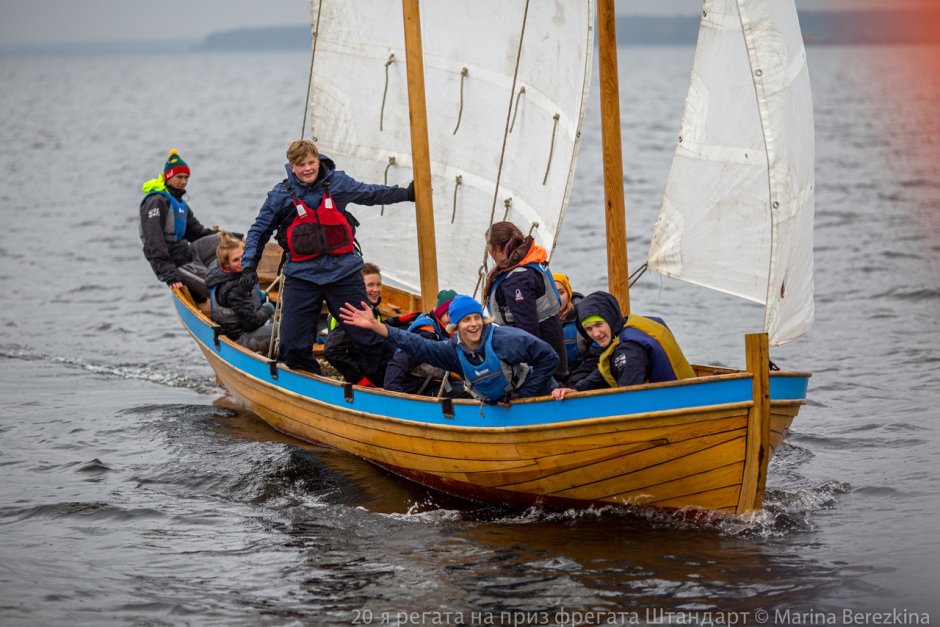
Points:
[(353, 363), (249, 313), (165, 257)]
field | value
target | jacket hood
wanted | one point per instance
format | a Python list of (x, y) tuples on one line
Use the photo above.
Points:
[(327, 167), (600, 304), (217, 276)]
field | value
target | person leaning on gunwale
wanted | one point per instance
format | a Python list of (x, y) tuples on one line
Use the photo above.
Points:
[(634, 349), (496, 363)]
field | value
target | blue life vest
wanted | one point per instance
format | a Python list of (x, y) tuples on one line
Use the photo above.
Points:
[(175, 227), (493, 379), (547, 305)]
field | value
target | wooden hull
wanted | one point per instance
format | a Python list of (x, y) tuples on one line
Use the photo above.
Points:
[(699, 444)]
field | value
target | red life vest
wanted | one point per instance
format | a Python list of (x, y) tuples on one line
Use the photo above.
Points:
[(315, 232)]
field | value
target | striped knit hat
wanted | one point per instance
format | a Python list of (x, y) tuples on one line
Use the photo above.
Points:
[(174, 165)]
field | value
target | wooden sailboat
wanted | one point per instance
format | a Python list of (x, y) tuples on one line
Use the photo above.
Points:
[(701, 443)]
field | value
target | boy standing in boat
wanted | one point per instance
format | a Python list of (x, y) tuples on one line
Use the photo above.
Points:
[(635, 350), (308, 212), (178, 247)]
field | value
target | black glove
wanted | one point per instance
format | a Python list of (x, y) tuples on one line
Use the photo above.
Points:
[(411, 191), (248, 279)]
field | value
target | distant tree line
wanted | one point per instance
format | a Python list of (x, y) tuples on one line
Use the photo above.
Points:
[(912, 26)]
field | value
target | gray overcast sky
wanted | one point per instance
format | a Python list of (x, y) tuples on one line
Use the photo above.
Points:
[(67, 21)]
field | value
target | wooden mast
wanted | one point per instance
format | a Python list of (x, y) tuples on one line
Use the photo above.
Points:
[(614, 210), (420, 154)]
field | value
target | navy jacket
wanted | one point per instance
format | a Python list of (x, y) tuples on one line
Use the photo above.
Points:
[(512, 345), (278, 210), (630, 363)]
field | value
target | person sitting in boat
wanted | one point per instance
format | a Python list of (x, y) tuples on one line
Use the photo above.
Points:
[(636, 349), (308, 211), (519, 290), (575, 344), (496, 363), (178, 247), (342, 351), (242, 313), (406, 373)]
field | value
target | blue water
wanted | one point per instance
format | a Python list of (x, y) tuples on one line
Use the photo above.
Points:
[(134, 492)]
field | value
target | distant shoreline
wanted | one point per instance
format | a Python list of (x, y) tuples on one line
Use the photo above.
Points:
[(874, 27)]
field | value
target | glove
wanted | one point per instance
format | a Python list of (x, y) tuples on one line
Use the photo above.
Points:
[(248, 279), (411, 191), (364, 381), (270, 306)]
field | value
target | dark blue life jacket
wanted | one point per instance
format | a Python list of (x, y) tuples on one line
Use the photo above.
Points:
[(493, 379)]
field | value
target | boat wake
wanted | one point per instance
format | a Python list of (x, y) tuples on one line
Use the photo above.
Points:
[(785, 512), (166, 375)]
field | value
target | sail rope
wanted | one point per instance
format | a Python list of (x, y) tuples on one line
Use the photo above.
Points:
[(458, 181), (481, 272), (391, 59), (639, 272), (551, 148), (515, 109), (391, 161), (463, 75), (313, 55)]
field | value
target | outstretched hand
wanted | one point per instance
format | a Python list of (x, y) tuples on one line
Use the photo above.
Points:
[(363, 318)]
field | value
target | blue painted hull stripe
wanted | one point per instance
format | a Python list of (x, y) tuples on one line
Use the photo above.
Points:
[(695, 395)]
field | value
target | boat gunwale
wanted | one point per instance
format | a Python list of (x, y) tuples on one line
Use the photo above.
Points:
[(457, 428)]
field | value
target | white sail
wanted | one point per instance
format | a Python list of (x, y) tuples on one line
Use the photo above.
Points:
[(360, 118), (737, 213)]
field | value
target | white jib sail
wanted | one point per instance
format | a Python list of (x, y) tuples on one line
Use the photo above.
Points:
[(737, 212), (359, 117)]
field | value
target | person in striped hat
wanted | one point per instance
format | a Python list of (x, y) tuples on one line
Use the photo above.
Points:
[(178, 247)]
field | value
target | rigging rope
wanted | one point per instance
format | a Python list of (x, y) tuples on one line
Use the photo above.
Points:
[(463, 75), (458, 181), (551, 148), (313, 54), (391, 161), (502, 151), (639, 272), (391, 59), (515, 109)]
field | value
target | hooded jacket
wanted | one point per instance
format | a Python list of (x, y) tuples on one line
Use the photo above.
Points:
[(278, 213), (244, 313), (642, 349)]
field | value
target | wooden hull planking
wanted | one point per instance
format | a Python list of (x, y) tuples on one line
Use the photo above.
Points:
[(696, 458)]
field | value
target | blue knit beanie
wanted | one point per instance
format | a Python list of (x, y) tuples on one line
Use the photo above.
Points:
[(463, 306)]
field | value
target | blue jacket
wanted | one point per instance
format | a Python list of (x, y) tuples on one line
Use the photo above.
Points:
[(511, 345), (278, 212)]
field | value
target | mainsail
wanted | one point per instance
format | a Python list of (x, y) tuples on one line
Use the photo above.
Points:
[(497, 72), (737, 212)]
